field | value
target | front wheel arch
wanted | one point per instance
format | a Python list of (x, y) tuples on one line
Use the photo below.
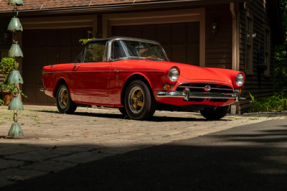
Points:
[(129, 80)]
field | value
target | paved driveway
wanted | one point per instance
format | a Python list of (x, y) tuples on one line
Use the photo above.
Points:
[(54, 141)]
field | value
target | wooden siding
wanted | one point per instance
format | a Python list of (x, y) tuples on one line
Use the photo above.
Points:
[(259, 85), (4, 22), (218, 45)]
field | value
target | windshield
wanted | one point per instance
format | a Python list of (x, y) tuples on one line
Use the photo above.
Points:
[(124, 49)]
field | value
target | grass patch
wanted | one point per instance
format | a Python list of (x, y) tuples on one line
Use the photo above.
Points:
[(45, 123), (253, 118)]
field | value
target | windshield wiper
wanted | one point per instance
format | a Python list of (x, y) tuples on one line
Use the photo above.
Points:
[(137, 58)]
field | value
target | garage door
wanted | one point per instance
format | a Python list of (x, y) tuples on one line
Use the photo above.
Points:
[(45, 47), (180, 40)]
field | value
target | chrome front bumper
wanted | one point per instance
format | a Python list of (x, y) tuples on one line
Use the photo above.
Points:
[(186, 95)]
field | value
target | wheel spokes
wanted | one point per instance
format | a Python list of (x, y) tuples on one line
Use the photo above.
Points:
[(135, 105), (139, 94), (140, 103)]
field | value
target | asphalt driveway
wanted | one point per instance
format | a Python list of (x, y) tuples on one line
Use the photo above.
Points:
[(55, 142), (249, 157)]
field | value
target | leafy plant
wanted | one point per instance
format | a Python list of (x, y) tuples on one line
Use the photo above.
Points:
[(273, 103), (11, 88), (6, 67), (84, 41)]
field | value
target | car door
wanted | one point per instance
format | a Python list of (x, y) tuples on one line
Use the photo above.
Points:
[(92, 75)]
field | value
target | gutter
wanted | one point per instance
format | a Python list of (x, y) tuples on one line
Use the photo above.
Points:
[(123, 6)]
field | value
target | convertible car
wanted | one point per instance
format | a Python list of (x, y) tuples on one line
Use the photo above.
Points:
[(136, 76)]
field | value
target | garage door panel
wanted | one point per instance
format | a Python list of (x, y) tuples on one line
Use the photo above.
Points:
[(52, 56), (29, 91), (192, 55), (167, 51), (193, 32), (178, 33), (29, 57), (40, 97), (65, 55), (52, 47), (178, 54), (135, 31), (120, 31), (149, 32), (52, 38), (29, 38), (163, 34), (78, 34), (76, 51), (50, 100), (29, 75), (40, 56), (40, 38), (38, 75), (180, 40), (65, 37)]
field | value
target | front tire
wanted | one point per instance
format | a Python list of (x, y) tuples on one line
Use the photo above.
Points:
[(214, 114), (123, 111), (139, 101), (63, 99)]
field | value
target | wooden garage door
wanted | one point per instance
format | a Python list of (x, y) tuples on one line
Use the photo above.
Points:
[(180, 40), (45, 47)]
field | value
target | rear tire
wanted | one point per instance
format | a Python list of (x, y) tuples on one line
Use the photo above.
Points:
[(63, 99), (139, 101), (214, 114)]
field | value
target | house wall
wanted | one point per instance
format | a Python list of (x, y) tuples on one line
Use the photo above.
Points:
[(219, 45), (258, 84)]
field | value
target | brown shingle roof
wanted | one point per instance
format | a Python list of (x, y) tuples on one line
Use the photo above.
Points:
[(53, 4)]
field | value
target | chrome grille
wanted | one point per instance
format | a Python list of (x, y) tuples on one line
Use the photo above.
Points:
[(199, 87)]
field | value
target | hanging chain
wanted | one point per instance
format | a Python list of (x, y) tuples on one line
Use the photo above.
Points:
[(15, 117)]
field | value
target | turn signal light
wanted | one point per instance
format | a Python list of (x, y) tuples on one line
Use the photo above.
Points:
[(239, 89), (167, 87)]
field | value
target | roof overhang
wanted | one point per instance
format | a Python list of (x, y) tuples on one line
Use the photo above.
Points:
[(140, 5)]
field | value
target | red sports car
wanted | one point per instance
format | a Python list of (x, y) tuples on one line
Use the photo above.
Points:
[(136, 76)]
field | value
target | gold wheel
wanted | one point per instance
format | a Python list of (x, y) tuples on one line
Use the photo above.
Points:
[(136, 99), (63, 98)]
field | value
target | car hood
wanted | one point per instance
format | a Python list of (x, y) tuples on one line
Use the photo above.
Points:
[(195, 73)]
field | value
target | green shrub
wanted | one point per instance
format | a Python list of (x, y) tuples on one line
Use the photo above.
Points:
[(273, 103), (6, 67)]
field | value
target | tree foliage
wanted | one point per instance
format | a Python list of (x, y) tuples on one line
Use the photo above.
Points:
[(281, 56)]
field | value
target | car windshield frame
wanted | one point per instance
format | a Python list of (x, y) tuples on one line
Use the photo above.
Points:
[(129, 57)]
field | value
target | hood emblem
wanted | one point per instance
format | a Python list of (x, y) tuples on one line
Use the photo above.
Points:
[(207, 88)]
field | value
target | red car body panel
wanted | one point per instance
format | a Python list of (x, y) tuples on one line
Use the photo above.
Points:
[(102, 83)]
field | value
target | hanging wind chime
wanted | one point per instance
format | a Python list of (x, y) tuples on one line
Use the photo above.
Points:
[(15, 76)]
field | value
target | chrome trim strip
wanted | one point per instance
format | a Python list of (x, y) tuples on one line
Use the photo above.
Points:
[(206, 95), (199, 82), (193, 87), (79, 71), (118, 71)]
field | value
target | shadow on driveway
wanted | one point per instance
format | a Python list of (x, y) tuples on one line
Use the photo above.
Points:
[(120, 116), (251, 157)]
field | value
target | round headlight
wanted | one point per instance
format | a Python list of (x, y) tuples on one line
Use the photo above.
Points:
[(173, 74), (239, 80)]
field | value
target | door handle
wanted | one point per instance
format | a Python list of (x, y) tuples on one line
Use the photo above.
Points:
[(75, 65), (115, 70)]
